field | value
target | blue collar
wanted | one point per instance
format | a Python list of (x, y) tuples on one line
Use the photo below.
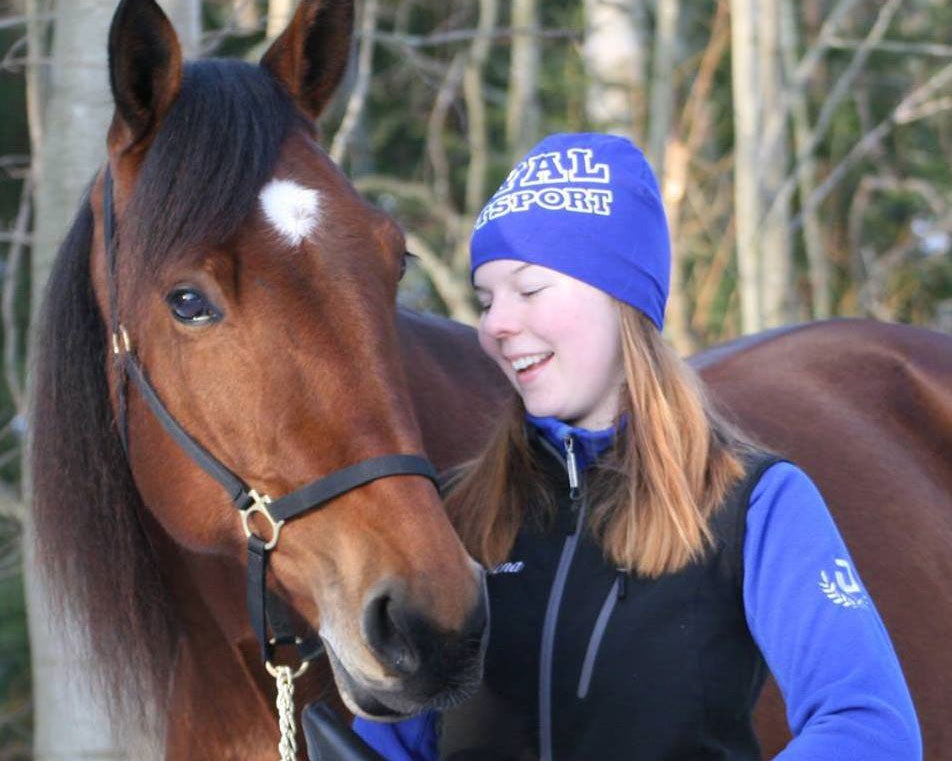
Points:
[(588, 444)]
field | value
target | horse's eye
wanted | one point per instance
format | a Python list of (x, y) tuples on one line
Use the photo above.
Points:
[(192, 307)]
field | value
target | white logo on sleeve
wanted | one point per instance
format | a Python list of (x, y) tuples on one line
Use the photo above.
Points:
[(843, 589)]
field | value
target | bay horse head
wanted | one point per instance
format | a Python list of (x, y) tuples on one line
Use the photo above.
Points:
[(256, 290)]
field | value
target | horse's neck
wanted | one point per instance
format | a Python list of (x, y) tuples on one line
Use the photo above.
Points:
[(456, 390)]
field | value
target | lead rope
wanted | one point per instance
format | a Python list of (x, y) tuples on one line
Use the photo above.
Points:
[(287, 746)]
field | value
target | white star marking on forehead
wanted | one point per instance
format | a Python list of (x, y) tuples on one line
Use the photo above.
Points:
[(292, 209)]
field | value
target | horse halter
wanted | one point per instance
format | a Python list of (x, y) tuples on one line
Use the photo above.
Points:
[(264, 609)]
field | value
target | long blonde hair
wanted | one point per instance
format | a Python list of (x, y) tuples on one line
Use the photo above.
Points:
[(652, 497)]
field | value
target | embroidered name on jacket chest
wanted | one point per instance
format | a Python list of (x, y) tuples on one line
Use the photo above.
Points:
[(510, 567)]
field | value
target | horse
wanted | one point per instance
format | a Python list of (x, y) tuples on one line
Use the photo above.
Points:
[(223, 313), (865, 408), (267, 323)]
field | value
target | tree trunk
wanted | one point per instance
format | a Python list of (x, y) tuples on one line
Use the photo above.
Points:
[(614, 56), (522, 105), (477, 130), (69, 107), (75, 109), (818, 263), (246, 15), (776, 278), (186, 17), (660, 123), (279, 14), (663, 66), (747, 194)]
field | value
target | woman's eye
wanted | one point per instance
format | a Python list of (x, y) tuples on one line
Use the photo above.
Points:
[(192, 307)]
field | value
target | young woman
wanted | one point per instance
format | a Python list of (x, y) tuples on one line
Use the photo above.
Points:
[(646, 562)]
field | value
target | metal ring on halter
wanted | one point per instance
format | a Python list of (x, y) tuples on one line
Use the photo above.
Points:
[(273, 670), (260, 506)]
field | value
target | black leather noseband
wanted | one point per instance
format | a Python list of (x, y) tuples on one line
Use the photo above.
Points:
[(266, 611)]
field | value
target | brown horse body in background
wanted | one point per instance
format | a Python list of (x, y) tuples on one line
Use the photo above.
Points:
[(307, 366), (865, 409)]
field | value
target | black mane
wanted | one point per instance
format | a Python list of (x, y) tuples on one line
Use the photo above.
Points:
[(200, 179)]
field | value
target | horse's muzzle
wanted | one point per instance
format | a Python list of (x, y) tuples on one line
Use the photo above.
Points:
[(432, 668)]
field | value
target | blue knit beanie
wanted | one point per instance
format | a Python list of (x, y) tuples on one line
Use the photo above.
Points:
[(588, 206)]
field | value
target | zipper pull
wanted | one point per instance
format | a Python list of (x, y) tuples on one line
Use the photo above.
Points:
[(572, 467)]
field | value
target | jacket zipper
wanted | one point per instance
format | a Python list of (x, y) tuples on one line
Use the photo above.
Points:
[(555, 601)]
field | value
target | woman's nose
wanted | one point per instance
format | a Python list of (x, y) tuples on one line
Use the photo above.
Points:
[(499, 320)]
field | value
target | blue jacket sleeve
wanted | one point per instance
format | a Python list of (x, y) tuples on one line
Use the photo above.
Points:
[(413, 739), (819, 631)]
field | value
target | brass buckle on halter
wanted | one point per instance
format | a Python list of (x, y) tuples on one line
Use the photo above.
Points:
[(121, 341), (260, 506)]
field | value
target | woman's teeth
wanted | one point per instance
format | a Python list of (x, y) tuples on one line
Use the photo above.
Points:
[(524, 363)]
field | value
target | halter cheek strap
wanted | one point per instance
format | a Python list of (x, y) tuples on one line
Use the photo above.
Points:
[(267, 612)]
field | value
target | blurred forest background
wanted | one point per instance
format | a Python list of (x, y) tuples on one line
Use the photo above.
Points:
[(804, 148)]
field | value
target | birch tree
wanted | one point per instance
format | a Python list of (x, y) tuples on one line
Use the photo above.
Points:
[(186, 17), (613, 51), (775, 251), (246, 16), (279, 14), (70, 108), (73, 110), (523, 119), (748, 207)]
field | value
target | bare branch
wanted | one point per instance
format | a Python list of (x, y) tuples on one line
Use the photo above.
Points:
[(13, 21), (842, 87), (37, 75), (11, 282), (871, 270), (469, 35), (905, 112), (435, 143), (775, 120), (832, 101), (454, 292), (894, 46), (522, 103), (925, 110), (827, 32), (358, 96), (11, 503), (416, 191), (818, 266), (476, 128)]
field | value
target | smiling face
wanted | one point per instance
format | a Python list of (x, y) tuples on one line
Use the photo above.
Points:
[(556, 338)]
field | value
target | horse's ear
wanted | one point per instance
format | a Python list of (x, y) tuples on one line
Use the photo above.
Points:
[(310, 56), (145, 72)]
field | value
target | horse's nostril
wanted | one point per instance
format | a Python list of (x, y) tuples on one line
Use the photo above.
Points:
[(387, 634)]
